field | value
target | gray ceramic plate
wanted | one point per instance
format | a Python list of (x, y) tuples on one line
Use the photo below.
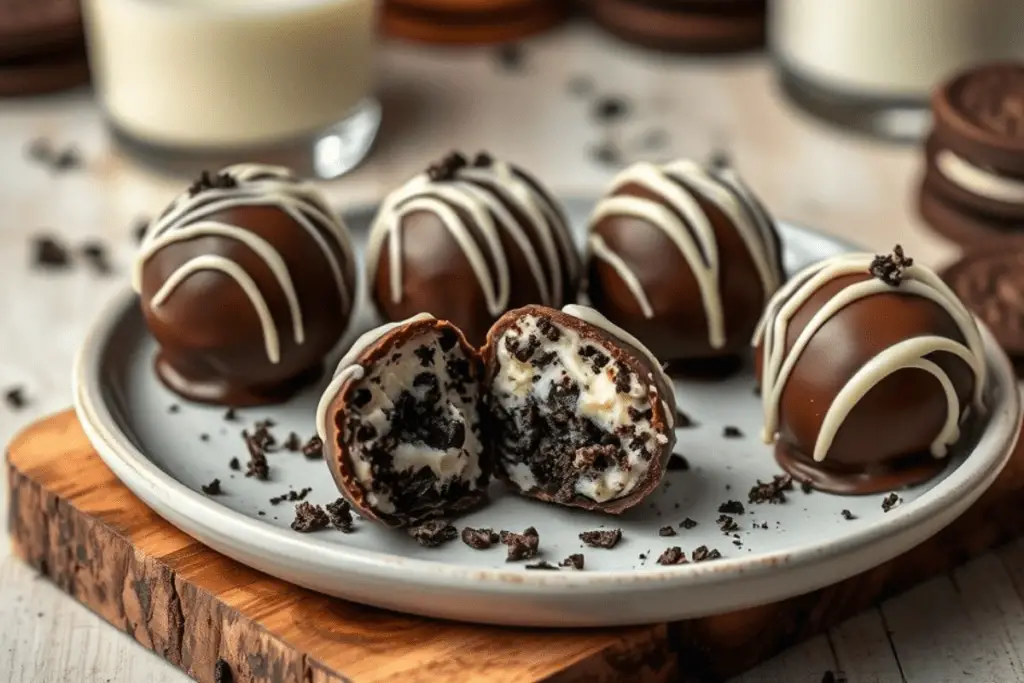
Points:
[(159, 455)]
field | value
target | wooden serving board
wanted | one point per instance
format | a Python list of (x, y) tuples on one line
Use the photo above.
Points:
[(73, 521)]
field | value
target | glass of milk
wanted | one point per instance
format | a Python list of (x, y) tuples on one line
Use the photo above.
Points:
[(196, 84), (871, 64)]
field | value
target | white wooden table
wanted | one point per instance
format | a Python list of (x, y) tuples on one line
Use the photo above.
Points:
[(968, 626)]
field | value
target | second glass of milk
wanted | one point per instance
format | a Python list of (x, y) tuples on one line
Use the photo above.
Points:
[(195, 84)]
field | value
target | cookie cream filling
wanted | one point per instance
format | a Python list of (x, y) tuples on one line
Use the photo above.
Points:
[(977, 180), (414, 433), (572, 421)]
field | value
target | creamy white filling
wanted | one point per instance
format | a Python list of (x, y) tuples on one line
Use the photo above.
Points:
[(977, 180), (447, 465), (599, 401)]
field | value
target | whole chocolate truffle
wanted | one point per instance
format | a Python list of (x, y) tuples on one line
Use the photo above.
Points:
[(247, 281), (581, 412), (685, 258), (402, 426), (467, 242), (869, 367)]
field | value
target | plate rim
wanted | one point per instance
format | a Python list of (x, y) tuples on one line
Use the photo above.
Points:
[(158, 489)]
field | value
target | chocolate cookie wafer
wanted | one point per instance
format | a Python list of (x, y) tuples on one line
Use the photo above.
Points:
[(973, 186), (34, 27), (701, 26), (470, 21), (40, 75), (990, 282)]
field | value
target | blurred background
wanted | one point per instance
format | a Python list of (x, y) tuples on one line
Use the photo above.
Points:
[(109, 108)]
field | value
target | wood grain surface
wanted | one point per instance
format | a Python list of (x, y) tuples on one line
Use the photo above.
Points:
[(76, 524)]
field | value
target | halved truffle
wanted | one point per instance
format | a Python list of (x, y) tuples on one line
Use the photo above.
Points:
[(581, 411), (401, 423)]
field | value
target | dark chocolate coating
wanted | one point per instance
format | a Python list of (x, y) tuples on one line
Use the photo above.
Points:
[(885, 441), (437, 277), (211, 341), (342, 438), (679, 328), (620, 351)]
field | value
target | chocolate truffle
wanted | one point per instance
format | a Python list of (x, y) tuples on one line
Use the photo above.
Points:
[(246, 281), (467, 242), (402, 426), (581, 411), (685, 258), (869, 368)]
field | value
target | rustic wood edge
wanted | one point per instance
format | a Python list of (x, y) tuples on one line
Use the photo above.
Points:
[(191, 627)]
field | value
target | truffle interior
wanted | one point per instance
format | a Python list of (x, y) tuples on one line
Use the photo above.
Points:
[(571, 418), (413, 428)]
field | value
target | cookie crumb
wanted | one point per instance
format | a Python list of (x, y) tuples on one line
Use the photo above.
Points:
[(257, 466), (340, 514), (847, 515), (773, 492), (702, 554), (521, 546), (731, 432), (673, 555), (309, 518), (666, 531), (610, 108), (602, 539), (806, 487), (683, 421), (732, 507), (890, 501), (688, 523), (479, 539), (213, 488), (230, 415), (314, 448), (15, 398), (678, 463), (235, 464), (173, 408), (606, 154), (49, 254), (291, 496), (95, 254), (511, 57), (575, 561), (433, 533), (727, 524)]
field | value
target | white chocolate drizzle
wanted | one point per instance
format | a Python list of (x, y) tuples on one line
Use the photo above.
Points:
[(256, 185), (349, 369), (593, 317), (778, 362), (679, 216), (481, 193), (977, 180)]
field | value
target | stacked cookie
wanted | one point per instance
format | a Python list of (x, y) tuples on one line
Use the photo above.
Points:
[(42, 47), (471, 21), (973, 188), (972, 193), (698, 26)]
